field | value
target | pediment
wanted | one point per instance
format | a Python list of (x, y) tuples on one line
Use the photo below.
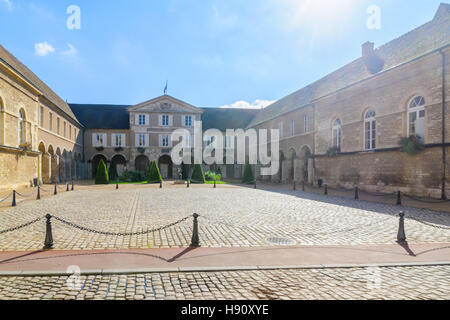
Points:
[(166, 104)]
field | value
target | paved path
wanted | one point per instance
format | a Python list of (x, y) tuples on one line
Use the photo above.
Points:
[(426, 282), (230, 217), (137, 260)]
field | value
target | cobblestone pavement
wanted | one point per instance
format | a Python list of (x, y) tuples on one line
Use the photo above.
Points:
[(230, 216), (430, 282)]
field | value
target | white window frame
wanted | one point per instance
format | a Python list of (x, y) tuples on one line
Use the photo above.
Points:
[(163, 122), (121, 139), (164, 141), (188, 121), (141, 140), (142, 120), (99, 140), (337, 133), (305, 123), (370, 132), (417, 107)]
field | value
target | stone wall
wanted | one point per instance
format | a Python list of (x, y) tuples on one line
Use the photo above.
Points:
[(17, 169)]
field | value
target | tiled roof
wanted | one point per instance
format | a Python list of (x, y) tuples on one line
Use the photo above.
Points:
[(431, 36), (102, 116), (26, 73)]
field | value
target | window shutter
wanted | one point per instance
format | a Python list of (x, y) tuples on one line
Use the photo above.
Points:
[(160, 140), (170, 121), (94, 139), (160, 120), (136, 119), (124, 141), (136, 140), (183, 119)]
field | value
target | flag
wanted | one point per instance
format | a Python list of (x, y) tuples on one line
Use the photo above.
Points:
[(165, 89)]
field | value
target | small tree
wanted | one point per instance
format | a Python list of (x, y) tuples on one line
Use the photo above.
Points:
[(102, 174), (113, 175), (154, 176), (248, 177), (197, 174)]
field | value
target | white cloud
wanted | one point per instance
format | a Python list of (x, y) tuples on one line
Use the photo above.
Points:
[(42, 49), (72, 51), (257, 104), (8, 4)]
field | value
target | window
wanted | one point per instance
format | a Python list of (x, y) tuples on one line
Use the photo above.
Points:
[(165, 121), (21, 127), (57, 126), (98, 140), (164, 140), (64, 129), (70, 132), (337, 134), (50, 121), (281, 129), (141, 142), (416, 118), (142, 119), (292, 128), (41, 119), (188, 121), (118, 140), (370, 130), (305, 123)]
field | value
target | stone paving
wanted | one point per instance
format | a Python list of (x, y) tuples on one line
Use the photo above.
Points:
[(230, 216), (427, 282)]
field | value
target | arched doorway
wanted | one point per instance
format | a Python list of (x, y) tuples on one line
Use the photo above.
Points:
[(60, 165), (291, 157), (165, 167), (120, 162), (280, 172), (46, 165), (95, 161), (305, 156), (142, 164)]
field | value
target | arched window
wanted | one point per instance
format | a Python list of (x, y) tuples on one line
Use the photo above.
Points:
[(416, 118), (21, 127), (337, 134), (370, 130)]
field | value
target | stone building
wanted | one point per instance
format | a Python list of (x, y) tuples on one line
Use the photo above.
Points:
[(349, 123), (40, 137)]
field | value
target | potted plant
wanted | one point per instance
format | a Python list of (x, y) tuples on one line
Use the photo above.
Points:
[(412, 145), (141, 150), (100, 149)]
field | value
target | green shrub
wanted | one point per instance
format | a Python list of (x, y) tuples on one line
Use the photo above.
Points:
[(412, 145), (154, 176), (197, 174), (248, 177), (211, 176), (113, 175), (332, 152), (102, 175)]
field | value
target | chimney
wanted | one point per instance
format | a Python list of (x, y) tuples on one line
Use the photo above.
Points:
[(368, 49)]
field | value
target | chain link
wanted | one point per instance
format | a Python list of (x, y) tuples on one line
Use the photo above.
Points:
[(425, 201), (429, 224), (7, 197), (21, 226), (120, 234), (26, 195)]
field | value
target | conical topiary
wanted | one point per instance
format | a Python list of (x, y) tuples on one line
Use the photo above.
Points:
[(154, 176), (102, 174), (113, 171), (197, 174), (248, 177), (184, 171)]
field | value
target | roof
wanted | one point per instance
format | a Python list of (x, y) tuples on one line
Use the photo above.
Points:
[(102, 116), (194, 109), (28, 75), (227, 118), (425, 39)]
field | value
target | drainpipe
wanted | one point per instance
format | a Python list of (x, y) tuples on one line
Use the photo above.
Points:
[(444, 155)]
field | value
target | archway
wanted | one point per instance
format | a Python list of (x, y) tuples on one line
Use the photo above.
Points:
[(60, 160), (95, 162), (280, 171), (46, 164), (305, 156), (142, 164), (290, 167), (53, 165), (120, 162), (165, 167)]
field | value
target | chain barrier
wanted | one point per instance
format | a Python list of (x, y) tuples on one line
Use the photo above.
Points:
[(21, 226), (7, 197), (120, 234), (428, 224), (26, 195), (375, 194), (425, 201)]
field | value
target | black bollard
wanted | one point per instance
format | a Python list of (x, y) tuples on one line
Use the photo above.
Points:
[(195, 242), (117, 185), (401, 237), (48, 244), (295, 186), (160, 184), (188, 183), (356, 193), (303, 186), (399, 198), (73, 187), (214, 184), (14, 198), (39, 193), (326, 190), (254, 186), (67, 189), (56, 190)]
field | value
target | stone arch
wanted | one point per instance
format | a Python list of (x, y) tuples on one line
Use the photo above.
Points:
[(45, 163), (95, 162), (305, 165), (291, 157), (121, 163), (142, 164), (165, 165)]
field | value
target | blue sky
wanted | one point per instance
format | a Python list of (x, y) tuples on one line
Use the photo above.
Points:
[(213, 53)]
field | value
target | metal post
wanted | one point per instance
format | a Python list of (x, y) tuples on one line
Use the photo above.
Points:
[(326, 190), (117, 185), (56, 190), (303, 186), (401, 237), (295, 186), (67, 189), (160, 184), (356, 193), (214, 183), (195, 242), (73, 187), (48, 244), (39, 193), (188, 183), (399, 198), (254, 186), (14, 198)]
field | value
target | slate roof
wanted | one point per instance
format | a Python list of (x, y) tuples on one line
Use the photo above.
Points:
[(224, 118), (427, 38), (102, 116), (34, 80)]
